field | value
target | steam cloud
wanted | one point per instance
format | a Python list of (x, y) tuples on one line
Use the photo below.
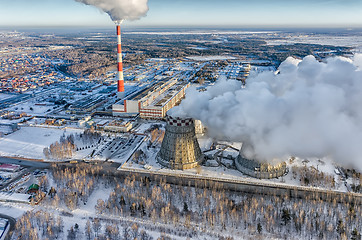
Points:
[(309, 109), (120, 9)]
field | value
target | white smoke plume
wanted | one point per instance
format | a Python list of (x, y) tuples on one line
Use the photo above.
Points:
[(309, 109), (120, 9)]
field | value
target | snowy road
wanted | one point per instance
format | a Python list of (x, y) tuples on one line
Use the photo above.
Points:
[(12, 220), (26, 163)]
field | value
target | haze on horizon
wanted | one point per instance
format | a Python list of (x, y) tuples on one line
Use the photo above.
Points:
[(202, 13)]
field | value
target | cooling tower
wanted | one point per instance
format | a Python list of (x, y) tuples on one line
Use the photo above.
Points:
[(120, 82), (259, 170), (180, 148)]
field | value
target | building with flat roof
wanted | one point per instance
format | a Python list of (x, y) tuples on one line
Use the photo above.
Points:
[(154, 101), (87, 104), (118, 126), (9, 167)]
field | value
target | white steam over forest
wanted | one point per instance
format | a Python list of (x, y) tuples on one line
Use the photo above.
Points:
[(307, 109)]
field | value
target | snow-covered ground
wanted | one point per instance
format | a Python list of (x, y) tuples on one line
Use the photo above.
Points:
[(211, 58), (322, 165), (88, 210), (29, 142), (30, 108), (344, 41), (5, 96), (14, 210)]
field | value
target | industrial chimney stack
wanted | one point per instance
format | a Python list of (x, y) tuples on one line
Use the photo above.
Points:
[(120, 84)]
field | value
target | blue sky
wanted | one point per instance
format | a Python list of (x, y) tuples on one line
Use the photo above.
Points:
[(232, 13)]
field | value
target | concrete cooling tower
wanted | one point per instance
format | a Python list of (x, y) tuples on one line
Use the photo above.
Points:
[(259, 170), (180, 148)]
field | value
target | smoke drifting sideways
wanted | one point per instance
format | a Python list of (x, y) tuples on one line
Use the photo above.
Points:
[(308, 109), (120, 10)]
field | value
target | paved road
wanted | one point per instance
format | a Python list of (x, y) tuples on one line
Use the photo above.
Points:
[(11, 220), (26, 163)]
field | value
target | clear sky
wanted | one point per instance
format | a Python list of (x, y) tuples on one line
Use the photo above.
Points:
[(232, 13)]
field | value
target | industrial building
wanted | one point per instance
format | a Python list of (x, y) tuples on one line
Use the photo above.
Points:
[(87, 104), (237, 71), (118, 126), (152, 102), (9, 167), (259, 170), (180, 148), (244, 73)]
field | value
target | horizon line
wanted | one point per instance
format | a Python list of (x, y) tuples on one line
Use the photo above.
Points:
[(286, 26)]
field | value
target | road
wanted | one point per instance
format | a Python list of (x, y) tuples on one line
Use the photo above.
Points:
[(27, 163), (12, 222)]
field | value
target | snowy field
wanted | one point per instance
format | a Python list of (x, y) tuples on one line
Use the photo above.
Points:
[(5, 96), (344, 41), (30, 108), (29, 142), (210, 58), (202, 32)]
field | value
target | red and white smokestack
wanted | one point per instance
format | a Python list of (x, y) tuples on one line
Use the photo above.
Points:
[(120, 88)]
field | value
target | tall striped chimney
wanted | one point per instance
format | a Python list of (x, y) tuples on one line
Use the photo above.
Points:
[(120, 88)]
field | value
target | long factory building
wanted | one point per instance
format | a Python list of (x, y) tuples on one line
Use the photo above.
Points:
[(152, 102)]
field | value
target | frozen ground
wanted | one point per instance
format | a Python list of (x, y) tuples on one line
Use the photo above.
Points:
[(5, 96), (324, 165), (210, 58), (88, 210), (344, 41), (14, 210), (206, 32), (29, 142), (30, 108)]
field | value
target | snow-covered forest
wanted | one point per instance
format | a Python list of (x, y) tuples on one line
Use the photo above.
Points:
[(140, 208), (68, 145)]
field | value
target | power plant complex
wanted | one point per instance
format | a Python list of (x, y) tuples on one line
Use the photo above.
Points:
[(152, 101), (180, 149)]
